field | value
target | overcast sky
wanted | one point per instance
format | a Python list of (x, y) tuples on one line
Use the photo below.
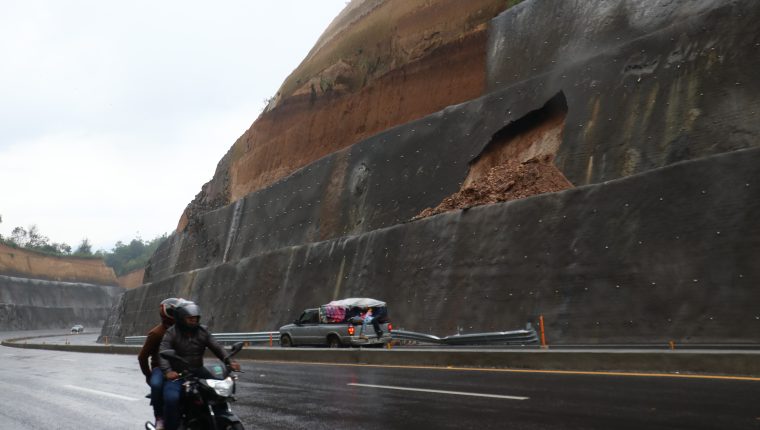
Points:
[(113, 114)]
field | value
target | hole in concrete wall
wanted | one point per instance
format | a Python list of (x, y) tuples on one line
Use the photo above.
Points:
[(536, 135), (518, 162)]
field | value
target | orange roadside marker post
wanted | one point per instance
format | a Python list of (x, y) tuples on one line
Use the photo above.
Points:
[(541, 327)]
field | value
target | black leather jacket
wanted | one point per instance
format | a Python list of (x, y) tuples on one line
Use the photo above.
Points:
[(189, 345)]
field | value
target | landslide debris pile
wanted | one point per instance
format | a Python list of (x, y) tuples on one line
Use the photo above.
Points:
[(509, 181)]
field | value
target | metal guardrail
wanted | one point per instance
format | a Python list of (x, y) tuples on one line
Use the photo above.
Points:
[(514, 337), (261, 336), (223, 338), (134, 340)]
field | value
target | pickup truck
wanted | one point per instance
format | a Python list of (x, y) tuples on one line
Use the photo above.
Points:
[(315, 327)]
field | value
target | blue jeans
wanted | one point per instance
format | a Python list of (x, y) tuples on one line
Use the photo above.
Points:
[(157, 392), (367, 320), (172, 394)]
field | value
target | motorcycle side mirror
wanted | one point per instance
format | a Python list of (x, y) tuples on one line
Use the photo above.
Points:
[(170, 354), (236, 347)]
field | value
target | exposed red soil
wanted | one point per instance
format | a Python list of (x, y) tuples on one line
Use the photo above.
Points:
[(26, 263), (132, 279), (509, 181), (302, 130), (380, 63)]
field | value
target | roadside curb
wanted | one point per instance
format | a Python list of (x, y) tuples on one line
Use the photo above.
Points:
[(733, 363), (100, 349), (676, 362)]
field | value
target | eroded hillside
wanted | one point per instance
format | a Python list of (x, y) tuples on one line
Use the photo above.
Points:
[(29, 264), (378, 65), (633, 125)]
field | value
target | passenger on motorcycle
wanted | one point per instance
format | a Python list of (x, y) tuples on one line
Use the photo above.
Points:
[(152, 371), (189, 340)]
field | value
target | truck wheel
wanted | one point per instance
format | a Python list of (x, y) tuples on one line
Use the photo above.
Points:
[(285, 341), (333, 341)]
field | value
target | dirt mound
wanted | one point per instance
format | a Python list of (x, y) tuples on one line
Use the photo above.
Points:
[(509, 181)]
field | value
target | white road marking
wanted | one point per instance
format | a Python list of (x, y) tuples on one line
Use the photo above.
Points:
[(101, 393), (459, 393)]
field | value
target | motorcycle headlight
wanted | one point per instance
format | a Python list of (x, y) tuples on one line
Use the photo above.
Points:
[(222, 388)]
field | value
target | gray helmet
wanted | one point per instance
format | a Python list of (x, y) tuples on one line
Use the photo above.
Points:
[(186, 309)]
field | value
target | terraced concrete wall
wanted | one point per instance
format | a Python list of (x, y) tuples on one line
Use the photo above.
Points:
[(621, 120), (29, 304), (666, 254), (382, 181), (658, 246)]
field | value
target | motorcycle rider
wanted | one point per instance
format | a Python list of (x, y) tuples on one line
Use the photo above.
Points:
[(189, 340), (153, 374)]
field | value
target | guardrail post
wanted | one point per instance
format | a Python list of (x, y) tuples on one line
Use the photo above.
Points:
[(541, 326)]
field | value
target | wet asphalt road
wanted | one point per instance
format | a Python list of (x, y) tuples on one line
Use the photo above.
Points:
[(42, 389), (61, 390), (286, 396)]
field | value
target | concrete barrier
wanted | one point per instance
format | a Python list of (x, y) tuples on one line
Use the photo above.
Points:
[(703, 362)]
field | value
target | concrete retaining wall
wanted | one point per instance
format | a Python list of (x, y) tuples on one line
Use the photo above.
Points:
[(653, 90), (664, 255), (647, 83), (29, 304)]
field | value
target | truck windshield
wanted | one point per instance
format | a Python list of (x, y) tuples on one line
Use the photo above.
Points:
[(310, 316)]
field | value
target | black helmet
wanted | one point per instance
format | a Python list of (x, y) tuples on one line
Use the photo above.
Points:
[(166, 309), (186, 309)]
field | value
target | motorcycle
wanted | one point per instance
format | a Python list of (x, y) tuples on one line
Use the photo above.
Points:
[(206, 395)]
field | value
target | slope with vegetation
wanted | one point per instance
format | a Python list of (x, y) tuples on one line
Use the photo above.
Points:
[(122, 258)]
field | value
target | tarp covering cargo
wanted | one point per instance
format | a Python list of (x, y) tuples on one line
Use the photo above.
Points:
[(339, 311), (355, 302)]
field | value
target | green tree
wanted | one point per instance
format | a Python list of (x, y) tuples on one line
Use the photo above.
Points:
[(37, 240), (124, 258), (19, 237), (84, 249)]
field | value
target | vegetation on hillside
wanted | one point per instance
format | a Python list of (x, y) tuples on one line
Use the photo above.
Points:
[(123, 258)]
